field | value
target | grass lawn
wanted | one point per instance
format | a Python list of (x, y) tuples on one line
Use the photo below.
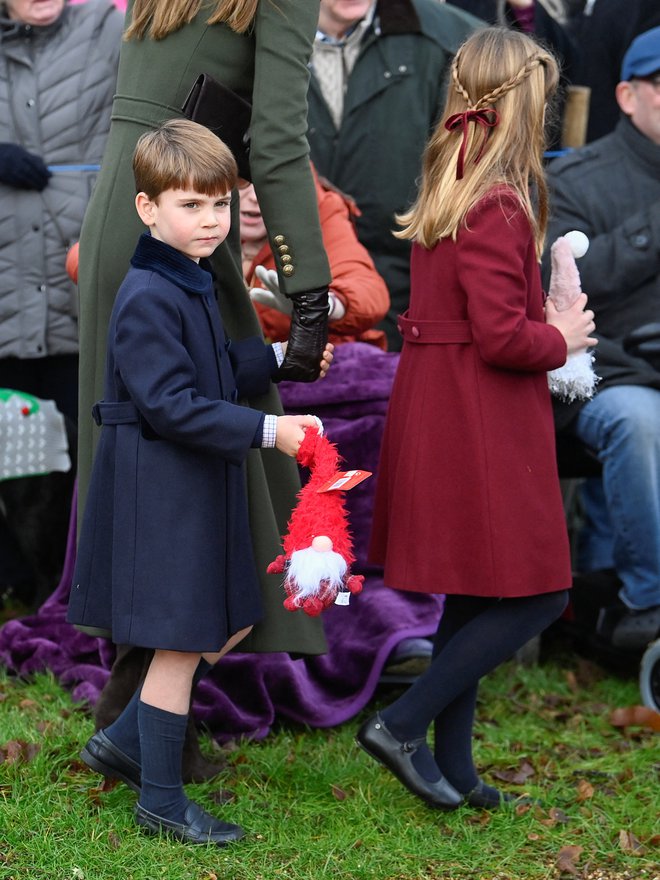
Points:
[(314, 806)]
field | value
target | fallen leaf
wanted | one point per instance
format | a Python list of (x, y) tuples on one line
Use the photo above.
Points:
[(113, 840), (585, 790), (630, 844), (17, 751), (28, 704), (567, 858), (516, 777), (558, 815), (636, 716), (223, 796), (338, 792), (572, 682)]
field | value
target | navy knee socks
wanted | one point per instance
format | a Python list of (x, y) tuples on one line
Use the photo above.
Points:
[(124, 732), (475, 635), (161, 746)]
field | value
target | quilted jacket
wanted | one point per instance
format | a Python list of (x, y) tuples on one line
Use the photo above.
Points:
[(56, 88)]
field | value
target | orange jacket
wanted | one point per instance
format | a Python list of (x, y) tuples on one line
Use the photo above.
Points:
[(354, 278)]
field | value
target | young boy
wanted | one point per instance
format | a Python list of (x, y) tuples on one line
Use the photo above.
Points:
[(165, 558)]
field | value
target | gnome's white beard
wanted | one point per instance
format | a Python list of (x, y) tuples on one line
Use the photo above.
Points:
[(309, 568)]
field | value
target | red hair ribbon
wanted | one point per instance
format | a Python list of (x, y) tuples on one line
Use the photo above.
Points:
[(487, 118)]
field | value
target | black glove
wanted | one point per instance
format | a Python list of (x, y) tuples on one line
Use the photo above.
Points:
[(307, 337), (21, 169)]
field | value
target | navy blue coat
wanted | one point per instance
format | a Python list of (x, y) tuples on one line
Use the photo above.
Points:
[(165, 557)]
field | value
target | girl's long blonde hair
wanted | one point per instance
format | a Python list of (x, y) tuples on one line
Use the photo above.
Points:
[(158, 18), (495, 69)]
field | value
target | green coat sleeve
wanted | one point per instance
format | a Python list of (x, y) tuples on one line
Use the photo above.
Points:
[(279, 152)]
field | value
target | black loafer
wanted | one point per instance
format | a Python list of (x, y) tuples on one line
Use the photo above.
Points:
[(198, 826), (482, 799), (397, 756), (103, 756)]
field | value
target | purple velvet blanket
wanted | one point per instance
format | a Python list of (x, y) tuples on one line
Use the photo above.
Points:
[(246, 692)]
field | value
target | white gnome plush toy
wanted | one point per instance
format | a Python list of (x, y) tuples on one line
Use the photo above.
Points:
[(318, 549), (576, 380)]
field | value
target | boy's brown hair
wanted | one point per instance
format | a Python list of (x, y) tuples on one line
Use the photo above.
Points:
[(181, 154)]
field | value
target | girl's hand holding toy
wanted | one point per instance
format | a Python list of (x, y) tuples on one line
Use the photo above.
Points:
[(576, 380)]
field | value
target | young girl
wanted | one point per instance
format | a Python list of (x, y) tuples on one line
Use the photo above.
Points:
[(468, 501)]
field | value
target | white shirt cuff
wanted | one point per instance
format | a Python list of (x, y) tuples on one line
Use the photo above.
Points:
[(270, 429)]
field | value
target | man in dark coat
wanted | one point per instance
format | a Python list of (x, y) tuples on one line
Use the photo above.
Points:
[(610, 190), (603, 34), (377, 87)]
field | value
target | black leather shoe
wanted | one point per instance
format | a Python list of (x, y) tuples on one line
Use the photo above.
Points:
[(482, 798), (198, 826), (397, 756), (103, 756)]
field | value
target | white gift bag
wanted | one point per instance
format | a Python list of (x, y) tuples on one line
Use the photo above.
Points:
[(33, 437)]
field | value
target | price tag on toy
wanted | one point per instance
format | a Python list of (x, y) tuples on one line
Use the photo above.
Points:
[(344, 480)]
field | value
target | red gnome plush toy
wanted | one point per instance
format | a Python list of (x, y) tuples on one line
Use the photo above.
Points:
[(318, 550)]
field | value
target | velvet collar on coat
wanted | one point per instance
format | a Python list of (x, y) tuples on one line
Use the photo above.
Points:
[(156, 256)]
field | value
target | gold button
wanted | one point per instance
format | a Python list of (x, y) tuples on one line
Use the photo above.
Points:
[(286, 258), (288, 270), (283, 248), (279, 239)]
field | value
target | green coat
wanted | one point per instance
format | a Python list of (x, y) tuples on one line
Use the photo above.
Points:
[(269, 66), (393, 98)]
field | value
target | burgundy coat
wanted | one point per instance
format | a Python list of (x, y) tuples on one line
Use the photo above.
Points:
[(468, 498)]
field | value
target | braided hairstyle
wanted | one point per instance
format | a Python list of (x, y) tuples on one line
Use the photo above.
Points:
[(496, 69)]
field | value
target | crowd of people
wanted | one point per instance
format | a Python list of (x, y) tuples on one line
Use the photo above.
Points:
[(419, 228)]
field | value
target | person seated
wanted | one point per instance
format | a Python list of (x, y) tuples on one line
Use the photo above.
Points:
[(610, 190), (358, 296)]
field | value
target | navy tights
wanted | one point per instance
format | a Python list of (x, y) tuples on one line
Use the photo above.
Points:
[(475, 635)]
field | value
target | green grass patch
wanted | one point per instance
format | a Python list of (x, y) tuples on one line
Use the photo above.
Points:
[(314, 806)]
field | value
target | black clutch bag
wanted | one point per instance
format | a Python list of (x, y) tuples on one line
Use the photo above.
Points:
[(225, 113)]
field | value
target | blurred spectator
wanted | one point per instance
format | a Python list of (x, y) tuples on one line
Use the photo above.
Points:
[(358, 295), (378, 84), (603, 33), (57, 80), (610, 190), (56, 86), (547, 20)]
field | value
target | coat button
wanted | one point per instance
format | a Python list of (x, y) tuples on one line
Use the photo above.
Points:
[(279, 239), (286, 258), (415, 331), (283, 248), (288, 270)]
